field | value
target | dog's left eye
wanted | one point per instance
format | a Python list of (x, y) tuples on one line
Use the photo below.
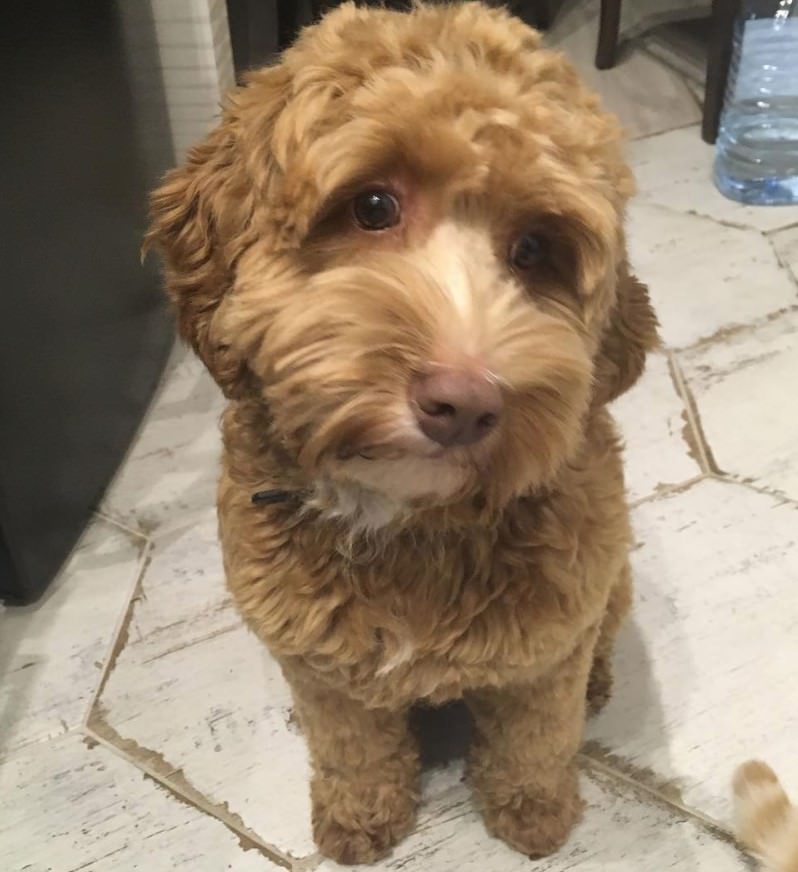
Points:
[(526, 252), (376, 210)]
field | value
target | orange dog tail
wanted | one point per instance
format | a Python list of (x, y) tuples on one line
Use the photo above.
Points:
[(766, 820)]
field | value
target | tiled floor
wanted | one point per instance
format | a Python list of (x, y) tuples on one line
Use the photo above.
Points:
[(142, 727)]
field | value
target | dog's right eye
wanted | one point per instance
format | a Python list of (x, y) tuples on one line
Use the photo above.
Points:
[(375, 210)]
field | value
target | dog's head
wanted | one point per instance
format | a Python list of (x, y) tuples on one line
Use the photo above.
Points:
[(406, 239)]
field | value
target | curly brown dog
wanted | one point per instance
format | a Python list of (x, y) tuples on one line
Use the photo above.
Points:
[(401, 256)]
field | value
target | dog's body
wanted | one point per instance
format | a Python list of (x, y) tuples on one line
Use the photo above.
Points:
[(401, 255)]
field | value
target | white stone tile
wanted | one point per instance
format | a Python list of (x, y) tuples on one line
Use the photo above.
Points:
[(745, 392), (194, 686), (675, 170), (704, 277), (705, 671), (645, 94), (183, 597), (171, 470), (52, 652), (65, 807), (219, 711), (659, 451), (619, 832)]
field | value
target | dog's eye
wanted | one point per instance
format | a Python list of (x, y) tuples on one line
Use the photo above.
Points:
[(376, 210), (526, 252)]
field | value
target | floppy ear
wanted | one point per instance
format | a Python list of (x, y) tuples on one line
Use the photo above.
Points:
[(198, 218), (630, 334)]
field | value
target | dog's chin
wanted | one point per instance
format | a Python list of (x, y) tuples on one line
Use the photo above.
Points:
[(436, 477)]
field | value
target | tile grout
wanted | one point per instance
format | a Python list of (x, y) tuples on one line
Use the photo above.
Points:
[(120, 633), (749, 484), (706, 461), (713, 827), (669, 490), (126, 528)]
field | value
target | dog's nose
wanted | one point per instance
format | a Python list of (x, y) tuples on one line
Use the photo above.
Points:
[(456, 408)]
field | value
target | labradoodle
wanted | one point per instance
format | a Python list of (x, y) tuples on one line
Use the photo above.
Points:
[(401, 256)]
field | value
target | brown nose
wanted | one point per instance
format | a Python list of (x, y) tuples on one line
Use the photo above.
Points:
[(456, 408)]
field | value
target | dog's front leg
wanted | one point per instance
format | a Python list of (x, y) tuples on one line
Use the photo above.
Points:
[(365, 773), (523, 762)]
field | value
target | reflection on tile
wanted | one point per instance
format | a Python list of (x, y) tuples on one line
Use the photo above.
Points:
[(705, 672), (646, 95), (704, 277), (744, 389), (619, 832), (675, 170), (171, 471), (660, 451), (65, 807), (51, 653)]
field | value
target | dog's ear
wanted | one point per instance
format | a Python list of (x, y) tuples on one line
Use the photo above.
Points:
[(630, 334), (197, 219)]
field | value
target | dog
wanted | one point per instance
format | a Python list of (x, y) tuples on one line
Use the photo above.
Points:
[(401, 255), (766, 820)]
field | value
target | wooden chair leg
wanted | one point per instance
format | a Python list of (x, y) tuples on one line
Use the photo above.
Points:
[(609, 25), (724, 13)]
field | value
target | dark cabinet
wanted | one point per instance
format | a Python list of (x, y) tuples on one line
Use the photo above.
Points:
[(83, 329)]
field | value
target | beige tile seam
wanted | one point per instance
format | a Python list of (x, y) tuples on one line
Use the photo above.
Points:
[(669, 490), (792, 273), (775, 230), (651, 134), (120, 635), (651, 795), (693, 432), (732, 330), (752, 485), (110, 518)]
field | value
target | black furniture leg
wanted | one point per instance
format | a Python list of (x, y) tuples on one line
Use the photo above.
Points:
[(609, 26), (724, 13)]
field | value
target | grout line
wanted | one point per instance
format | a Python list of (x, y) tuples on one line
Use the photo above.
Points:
[(707, 823), (669, 490), (111, 519), (752, 485), (307, 864), (248, 839), (724, 334), (643, 199), (791, 226), (644, 136), (784, 265), (119, 636), (698, 441)]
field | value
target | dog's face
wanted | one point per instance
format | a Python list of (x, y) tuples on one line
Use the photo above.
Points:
[(406, 238)]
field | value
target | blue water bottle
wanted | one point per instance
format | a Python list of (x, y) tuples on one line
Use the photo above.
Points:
[(756, 159)]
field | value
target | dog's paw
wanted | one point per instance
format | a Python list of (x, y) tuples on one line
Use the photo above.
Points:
[(599, 686), (351, 831), (536, 824)]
